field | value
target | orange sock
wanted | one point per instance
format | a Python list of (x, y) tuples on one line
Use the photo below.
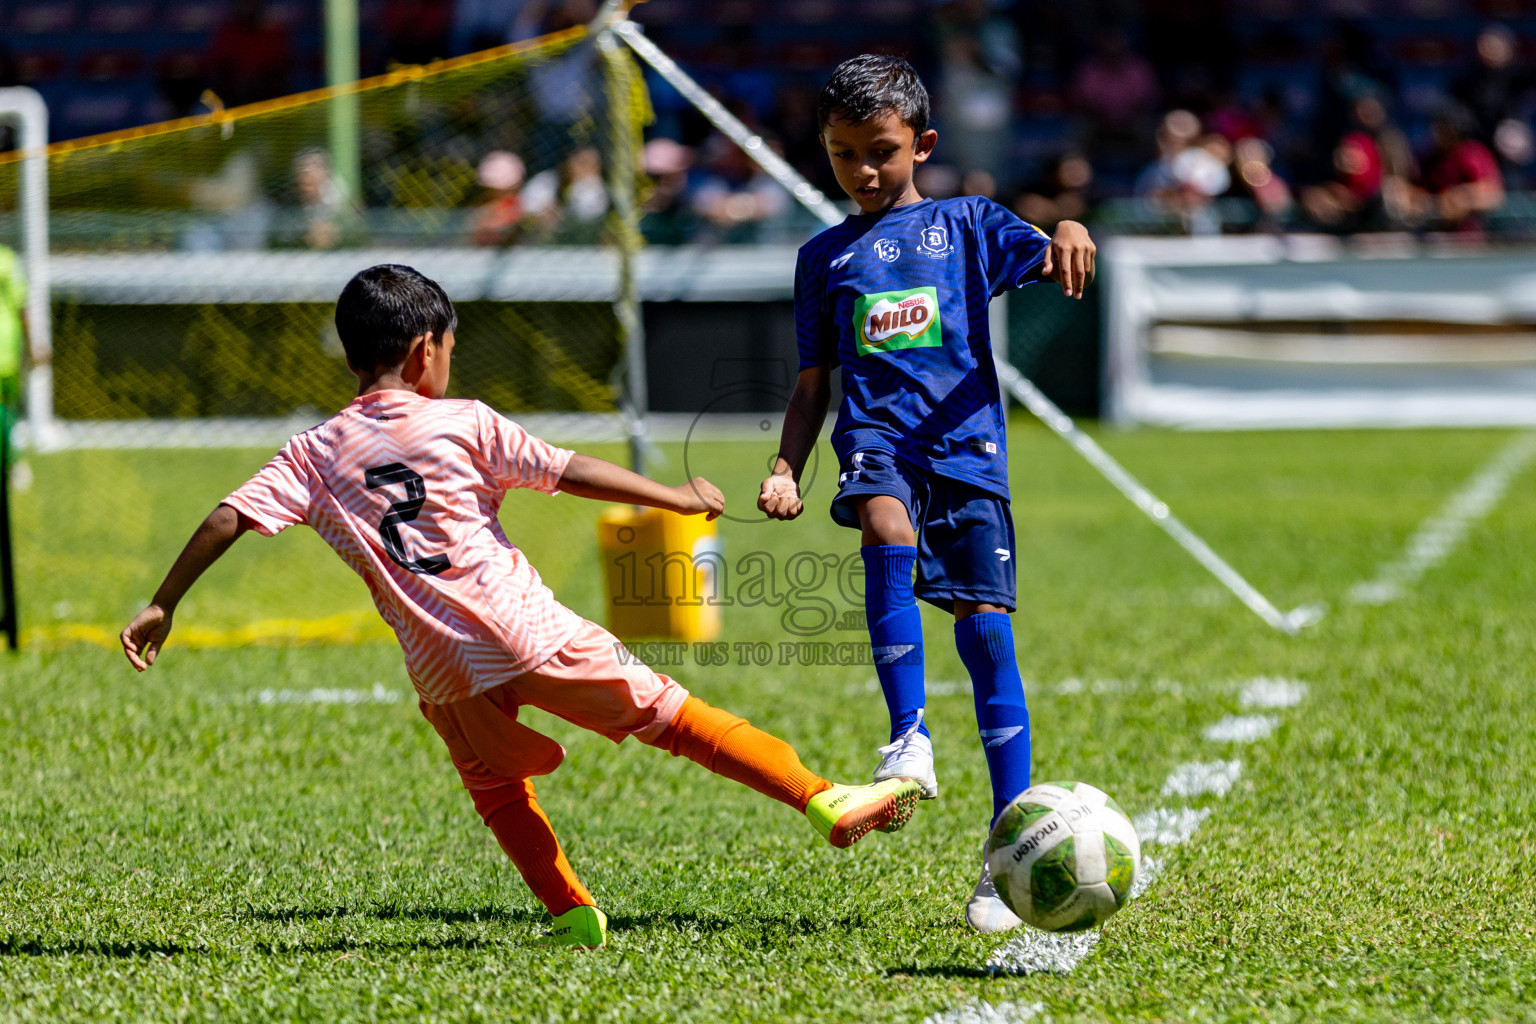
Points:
[(732, 747), (521, 827)]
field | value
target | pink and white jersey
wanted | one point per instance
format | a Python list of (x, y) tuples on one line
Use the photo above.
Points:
[(406, 490)]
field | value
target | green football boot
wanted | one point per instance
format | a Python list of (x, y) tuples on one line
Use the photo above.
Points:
[(581, 928), (845, 814)]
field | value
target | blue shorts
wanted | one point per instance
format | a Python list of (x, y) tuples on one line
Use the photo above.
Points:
[(964, 534)]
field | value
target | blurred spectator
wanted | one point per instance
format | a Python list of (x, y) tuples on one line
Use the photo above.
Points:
[(1350, 200), (329, 217), (567, 204), (497, 220), (1062, 194), (1189, 173), (1252, 164), (1495, 90), (1116, 89), (978, 66), (1234, 120), (1461, 173), (250, 57), (240, 215), (1500, 96), (1350, 70), (668, 214), (1402, 203), (737, 199)]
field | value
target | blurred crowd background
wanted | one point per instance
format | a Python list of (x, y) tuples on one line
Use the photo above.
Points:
[(1136, 116)]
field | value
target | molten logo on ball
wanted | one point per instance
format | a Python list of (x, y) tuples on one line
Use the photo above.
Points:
[(1063, 856)]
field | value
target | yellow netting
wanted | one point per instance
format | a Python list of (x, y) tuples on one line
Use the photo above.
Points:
[(167, 233)]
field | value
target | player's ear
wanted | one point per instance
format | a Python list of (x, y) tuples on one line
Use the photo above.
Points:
[(922, 146), (419, 357)]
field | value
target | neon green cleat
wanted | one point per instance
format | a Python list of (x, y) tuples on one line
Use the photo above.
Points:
[(581, 928), (845, 814)]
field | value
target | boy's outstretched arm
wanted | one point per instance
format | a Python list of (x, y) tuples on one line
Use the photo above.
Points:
[(144, 636), (589, 477), (780, 496), (1069, 260)]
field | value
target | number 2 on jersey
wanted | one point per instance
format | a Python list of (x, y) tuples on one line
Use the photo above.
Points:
[(403, 512)]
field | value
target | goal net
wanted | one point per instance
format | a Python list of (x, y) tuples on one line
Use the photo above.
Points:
[(195, 263)]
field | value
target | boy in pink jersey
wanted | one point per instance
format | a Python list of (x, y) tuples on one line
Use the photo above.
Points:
[(405, 486)]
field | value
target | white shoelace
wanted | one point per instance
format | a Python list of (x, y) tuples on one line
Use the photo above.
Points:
[(897, 748)]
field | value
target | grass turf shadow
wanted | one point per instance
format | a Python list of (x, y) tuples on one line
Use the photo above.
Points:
[(117, 950), (942, 971), (783, 923)]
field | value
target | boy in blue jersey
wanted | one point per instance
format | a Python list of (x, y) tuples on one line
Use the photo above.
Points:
[(897, 296)]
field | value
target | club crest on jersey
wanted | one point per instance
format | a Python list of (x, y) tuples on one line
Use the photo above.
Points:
[(887, 249), (935, 242), (887, 321)]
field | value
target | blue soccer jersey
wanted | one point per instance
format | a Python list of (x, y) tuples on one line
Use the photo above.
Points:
[(899, 300)]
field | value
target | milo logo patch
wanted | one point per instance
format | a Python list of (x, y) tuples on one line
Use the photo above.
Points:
[(887, 321)]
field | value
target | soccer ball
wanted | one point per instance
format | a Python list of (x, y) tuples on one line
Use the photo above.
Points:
[(1063, 856)]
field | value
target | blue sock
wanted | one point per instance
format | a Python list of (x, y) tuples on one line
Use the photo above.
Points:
[(895, 631), (985, 642)]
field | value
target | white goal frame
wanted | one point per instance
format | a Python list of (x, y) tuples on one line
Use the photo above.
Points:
[(25, 108)]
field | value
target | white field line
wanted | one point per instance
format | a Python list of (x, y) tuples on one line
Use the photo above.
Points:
[(1265, 692), (987, 1013), (1440, 534), (1241, 728), (1064, 688), (1037, 952), (1151, 867), (1169, 826), (1198, 778), (379, 694)]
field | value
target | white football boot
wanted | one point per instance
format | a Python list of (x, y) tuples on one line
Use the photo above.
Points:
[(986, 912), (910, 756)]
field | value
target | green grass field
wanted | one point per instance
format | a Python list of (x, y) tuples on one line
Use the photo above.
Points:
[(173, 846)]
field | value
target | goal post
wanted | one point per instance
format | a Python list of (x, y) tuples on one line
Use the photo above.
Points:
[(24, 108)]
